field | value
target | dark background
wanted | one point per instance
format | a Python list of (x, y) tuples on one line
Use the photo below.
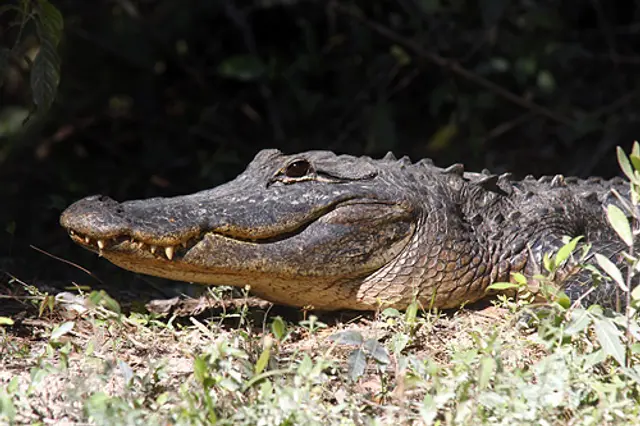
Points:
[(161, 97)]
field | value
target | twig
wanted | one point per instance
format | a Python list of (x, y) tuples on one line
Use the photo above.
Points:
[(579, 300), (454, 67), (507, 126), (618, 103), (86, 271)]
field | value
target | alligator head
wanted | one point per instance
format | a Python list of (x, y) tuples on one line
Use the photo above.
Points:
[(303, 230)]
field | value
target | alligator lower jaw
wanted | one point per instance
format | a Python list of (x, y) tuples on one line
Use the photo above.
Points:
[(125, 243), (162, 261)]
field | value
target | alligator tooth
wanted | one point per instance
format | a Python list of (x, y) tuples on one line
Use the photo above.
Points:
[(184, 244), (169, 252), (71, 232), (153, 249), (100, 244), (87, 240), (140, 245)]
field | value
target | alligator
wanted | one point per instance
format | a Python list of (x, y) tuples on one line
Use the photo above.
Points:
[(326, 231)]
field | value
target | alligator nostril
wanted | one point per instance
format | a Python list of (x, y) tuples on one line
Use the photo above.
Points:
[(103, 198)]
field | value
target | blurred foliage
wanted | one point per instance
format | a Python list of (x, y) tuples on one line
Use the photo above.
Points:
[(160, 97), (42, 21)]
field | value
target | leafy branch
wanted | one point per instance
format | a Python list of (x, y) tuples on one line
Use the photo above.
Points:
[(44, 70)]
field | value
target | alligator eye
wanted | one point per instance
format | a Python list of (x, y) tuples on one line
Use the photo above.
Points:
[(298, 169)]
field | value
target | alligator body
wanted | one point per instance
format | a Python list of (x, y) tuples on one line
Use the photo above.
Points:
[(340, 232)]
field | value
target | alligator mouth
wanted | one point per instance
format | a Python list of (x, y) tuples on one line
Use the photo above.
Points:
[(127, 243)]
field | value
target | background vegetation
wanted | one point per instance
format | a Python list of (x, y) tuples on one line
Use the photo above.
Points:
[(160, 97)]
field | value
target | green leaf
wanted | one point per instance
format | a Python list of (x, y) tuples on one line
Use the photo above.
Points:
[(566, 250), (546, 82), (548, 263), (411, 313), (242, 68), (45, 75), (399, 341), (580, 320), (357, 363), (635, 160), (263, 360), (6, 321), (7, 409), (305, 367), (101, 298), (612, 270), (200, 369), (519, 278), (620, 223), (61, 330), (45, 71), (499, 64), (635, 150), (563, 300), (50, 20), (348, 337), (390, 313), (609, 337), (486, 371), (377, 351), (625, 165), (401, 55), (443, 137), (502, 286), (279, 328), (14, 384)]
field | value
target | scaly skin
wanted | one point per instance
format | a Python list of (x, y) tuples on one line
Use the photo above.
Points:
[(339, 232)]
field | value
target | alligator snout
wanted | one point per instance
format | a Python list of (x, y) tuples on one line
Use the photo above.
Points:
[(97, 216)]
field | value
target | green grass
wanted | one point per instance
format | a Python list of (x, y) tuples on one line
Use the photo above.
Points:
[(85, 362)]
